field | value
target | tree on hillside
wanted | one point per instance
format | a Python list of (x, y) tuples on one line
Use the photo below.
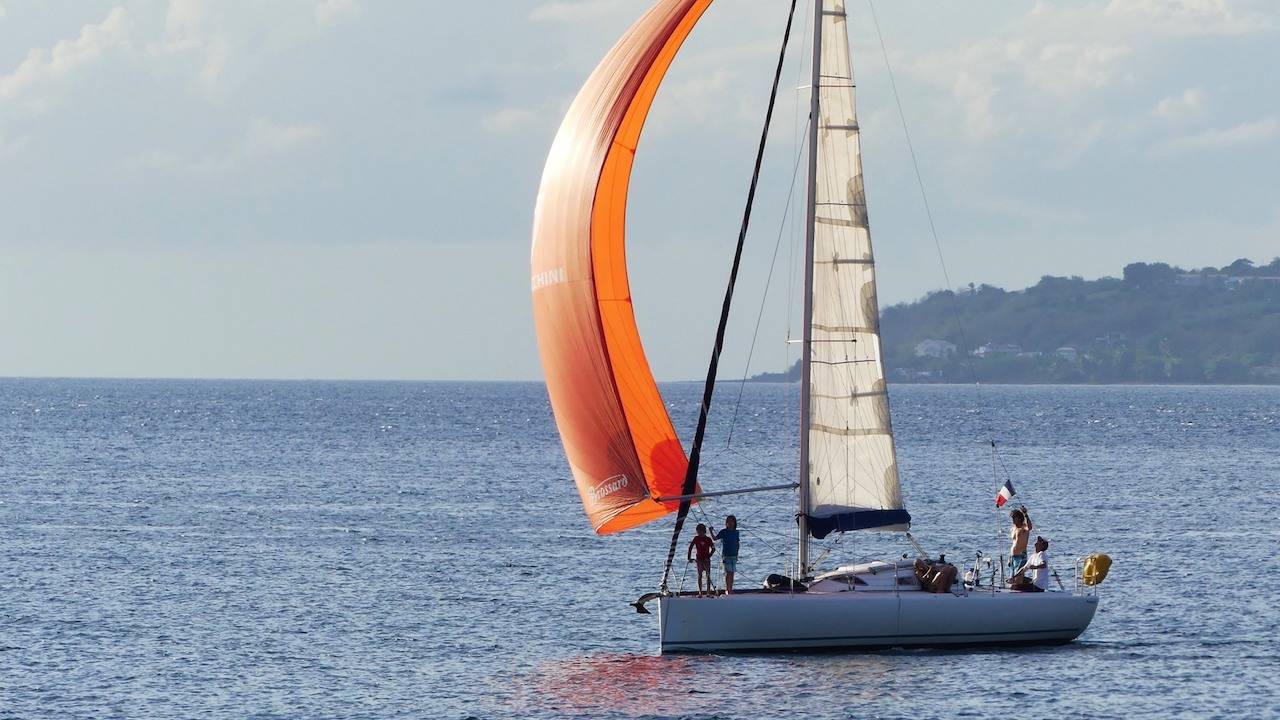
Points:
[(1148, 327), (1144, 275), (1243, 266)]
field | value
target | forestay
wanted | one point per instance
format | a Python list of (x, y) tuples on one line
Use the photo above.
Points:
[(852, 466)]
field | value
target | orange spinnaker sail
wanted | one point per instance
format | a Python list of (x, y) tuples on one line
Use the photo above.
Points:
[(620, 443)]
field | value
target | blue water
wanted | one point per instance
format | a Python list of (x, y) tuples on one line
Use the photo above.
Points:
[(384, 550)]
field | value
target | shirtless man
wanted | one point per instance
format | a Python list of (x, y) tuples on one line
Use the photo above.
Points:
[(1018, 536)]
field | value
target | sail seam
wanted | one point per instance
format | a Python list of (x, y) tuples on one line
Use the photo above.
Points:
[(853, 395), (843, 328), (849, 432), (842, 362)]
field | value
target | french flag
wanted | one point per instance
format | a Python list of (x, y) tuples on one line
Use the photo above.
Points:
[(1005, 493)]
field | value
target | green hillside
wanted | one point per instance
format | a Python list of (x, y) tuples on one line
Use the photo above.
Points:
[(1156, 324)]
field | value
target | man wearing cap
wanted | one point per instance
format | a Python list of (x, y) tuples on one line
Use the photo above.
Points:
[(1033, 576)]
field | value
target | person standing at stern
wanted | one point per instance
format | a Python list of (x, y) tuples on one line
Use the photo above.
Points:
[(729, 555), (1018, 536)]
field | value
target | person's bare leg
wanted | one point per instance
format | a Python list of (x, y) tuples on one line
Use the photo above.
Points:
[(728, 583)]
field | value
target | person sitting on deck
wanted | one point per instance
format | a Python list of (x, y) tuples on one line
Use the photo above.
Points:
[(729, 536), (935, 577), (704, 547), (1038, 567)]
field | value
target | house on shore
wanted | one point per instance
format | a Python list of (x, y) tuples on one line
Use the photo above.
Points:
[(997, 349), (932, 348), (1068, 353)]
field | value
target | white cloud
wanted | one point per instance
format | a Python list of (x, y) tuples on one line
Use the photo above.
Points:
[(1248, 133), (1187, 17), (1064, 66), (155, 160), (262, 139), (1074, 146), (11, 146), (566, 11), (1189, 105), (3, 12), (703, 97), (976, 96), (265, 137), (67, 55), (215, 59), (1067, 70), (188, 28), (331, 12), (216, 36), (509, 119), (995, 83), (184, 27)]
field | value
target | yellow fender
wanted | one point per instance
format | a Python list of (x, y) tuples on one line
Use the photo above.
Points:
[(1096, 567)]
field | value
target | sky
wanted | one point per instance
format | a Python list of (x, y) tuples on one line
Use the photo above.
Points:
[(344, 188)]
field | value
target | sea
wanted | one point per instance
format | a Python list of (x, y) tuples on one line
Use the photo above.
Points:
[(176, 549)]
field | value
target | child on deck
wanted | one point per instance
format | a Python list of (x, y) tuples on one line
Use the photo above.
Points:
[(729, 536), (703, 545)]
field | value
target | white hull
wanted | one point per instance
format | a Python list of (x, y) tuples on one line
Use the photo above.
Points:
[(756, 621)]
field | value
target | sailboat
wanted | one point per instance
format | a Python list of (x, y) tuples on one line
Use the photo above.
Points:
[(627, 461)]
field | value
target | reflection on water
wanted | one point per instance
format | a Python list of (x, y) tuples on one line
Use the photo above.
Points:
[(639, 686), (636, 685)]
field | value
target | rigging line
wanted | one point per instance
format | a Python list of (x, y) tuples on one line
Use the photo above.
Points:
[(714, 458), (755, 511), (827, 550), (924, 196), (691, 475), (773, 532), (757, 463), (1000, 461), (772, 549), (702, 512), (721, 456), (755, 335)]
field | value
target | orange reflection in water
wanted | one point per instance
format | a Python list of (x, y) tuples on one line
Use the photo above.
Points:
[(615, 683), (662, 686)]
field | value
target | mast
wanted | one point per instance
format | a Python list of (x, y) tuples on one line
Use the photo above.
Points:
[(806, 356)]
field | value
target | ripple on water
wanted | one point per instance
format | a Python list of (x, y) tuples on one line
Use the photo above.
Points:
[(416, 550)]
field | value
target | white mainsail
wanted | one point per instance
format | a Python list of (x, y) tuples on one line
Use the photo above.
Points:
[(852, 473)]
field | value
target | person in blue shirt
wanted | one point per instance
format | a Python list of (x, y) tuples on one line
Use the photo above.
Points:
[(729, 555)]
